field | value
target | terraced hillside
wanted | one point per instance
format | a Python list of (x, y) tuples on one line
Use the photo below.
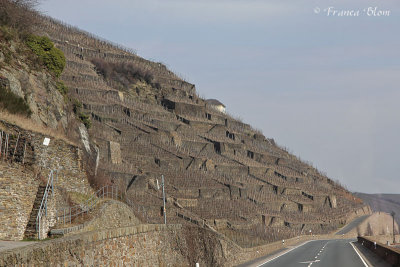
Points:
[(220, 172)]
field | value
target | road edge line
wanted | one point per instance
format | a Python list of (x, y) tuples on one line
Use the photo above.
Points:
[(285, 252), (358, 253)]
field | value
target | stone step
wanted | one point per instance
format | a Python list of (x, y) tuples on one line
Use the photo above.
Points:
[(30, 230)]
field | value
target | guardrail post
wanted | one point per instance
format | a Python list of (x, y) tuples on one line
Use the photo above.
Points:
[(45, 202), (163, 191), (52, 184), (38, 227)]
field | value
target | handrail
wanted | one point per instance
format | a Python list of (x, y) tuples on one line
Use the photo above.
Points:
[(43, 204), (68, 214)]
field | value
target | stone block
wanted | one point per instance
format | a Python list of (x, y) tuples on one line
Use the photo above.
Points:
[(114, 152)]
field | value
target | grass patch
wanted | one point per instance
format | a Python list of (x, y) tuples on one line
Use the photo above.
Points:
[(63, 89), (79, 197), (29, 239), (7, 34), (30, 125), (52, 57), (13, 103)]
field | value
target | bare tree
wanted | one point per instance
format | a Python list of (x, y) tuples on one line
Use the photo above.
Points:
[(18, 14)]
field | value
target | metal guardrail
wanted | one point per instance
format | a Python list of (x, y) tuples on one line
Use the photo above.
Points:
[(43, 204), (135, 207), (388, 253), (68, 214)]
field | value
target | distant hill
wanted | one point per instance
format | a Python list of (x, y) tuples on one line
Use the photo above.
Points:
[(382, 202)]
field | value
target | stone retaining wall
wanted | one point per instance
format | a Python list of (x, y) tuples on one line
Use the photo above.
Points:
[(19, 182), (142, 245), (17, 193), (65, 157)]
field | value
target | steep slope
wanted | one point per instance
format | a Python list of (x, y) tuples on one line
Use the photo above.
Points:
[(145, 122), (219, 171)]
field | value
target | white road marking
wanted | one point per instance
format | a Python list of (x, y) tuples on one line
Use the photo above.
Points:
[(284, 253), (310, 261), (365, 264)]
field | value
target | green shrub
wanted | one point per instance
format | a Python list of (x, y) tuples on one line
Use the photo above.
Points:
[(52, 57), (62, 88), (13, 103), (76, 105), (85, 119)]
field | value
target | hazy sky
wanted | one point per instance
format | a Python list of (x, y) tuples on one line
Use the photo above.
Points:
[(325, 86)]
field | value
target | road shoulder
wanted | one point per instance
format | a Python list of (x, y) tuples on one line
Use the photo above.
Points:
[(369, 257)]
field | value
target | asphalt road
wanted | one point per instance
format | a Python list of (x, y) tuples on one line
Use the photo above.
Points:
[(352, 225), (318, 253)]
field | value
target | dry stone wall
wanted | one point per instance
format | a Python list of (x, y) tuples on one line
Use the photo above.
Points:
[(142, 245), (65, 157), (17, 193)]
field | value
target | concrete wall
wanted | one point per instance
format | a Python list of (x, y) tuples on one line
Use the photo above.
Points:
[(389, 254)]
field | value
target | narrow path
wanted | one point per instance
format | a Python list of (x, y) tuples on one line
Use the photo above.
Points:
[(5, 245)]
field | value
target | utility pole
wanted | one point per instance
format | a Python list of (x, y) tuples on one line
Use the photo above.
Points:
[(394, 239), (163, 193)]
